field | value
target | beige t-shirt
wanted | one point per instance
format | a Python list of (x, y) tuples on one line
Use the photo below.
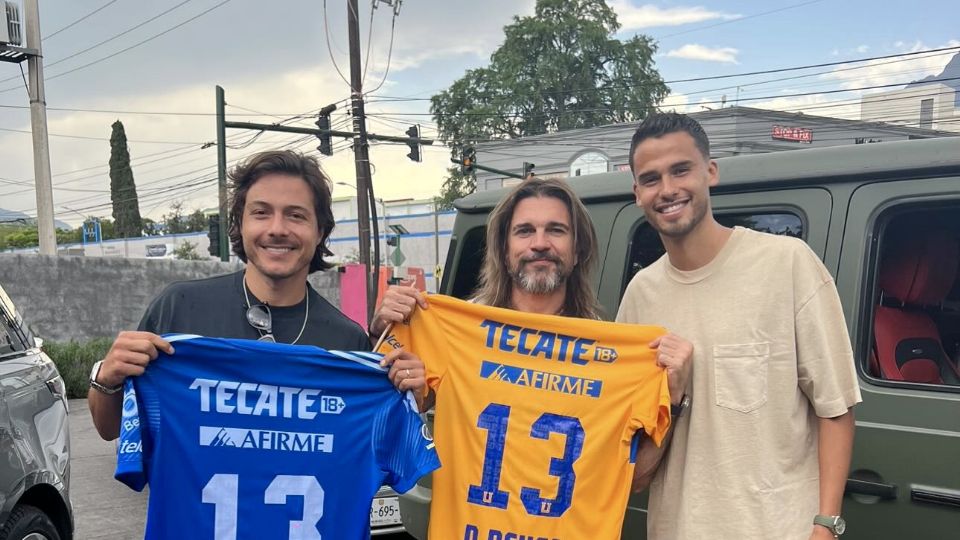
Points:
[(771, 354)]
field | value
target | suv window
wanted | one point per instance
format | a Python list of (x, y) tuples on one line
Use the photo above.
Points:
[(9, 339), (915, 305), (465, 279), (646, 247)]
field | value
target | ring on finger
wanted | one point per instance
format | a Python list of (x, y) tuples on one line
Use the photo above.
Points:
[(406, 373)]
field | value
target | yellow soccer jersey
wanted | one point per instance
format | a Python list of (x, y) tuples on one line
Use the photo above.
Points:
[(535, 419)]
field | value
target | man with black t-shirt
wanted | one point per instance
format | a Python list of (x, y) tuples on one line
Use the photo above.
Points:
[(280, 222)]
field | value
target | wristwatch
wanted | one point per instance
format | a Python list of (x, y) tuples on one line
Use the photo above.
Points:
[(108, 390), (836, 524), (676, 411)]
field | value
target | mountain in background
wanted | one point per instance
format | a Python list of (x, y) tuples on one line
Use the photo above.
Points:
[(950, 71), (12, 217)]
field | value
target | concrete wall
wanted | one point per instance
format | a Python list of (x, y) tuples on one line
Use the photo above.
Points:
[(78, 298)]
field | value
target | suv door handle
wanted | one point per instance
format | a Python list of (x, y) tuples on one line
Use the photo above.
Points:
[(876, 489), (935, 495)]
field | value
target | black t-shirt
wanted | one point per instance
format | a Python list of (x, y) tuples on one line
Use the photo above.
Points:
[(216, 307)]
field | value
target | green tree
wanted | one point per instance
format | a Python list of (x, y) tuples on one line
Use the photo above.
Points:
[(560, 69), (187, 251), (173, 222), (456, 185), (150, 227), (123, 190), (197, 222)]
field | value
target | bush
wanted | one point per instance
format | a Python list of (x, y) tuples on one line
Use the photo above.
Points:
[(75, 360)]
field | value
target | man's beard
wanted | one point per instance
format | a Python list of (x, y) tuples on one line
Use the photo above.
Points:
[(534, 282)]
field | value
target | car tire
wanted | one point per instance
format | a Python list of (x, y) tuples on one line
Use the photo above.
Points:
[(28, 523)]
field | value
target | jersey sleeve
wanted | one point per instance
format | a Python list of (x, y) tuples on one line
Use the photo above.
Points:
[(651, 399), (651, 408), (131, 469), (403, 444)]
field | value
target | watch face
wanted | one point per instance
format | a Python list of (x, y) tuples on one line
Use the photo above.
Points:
[(840, 526)]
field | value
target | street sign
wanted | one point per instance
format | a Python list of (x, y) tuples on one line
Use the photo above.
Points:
[(397, 257)]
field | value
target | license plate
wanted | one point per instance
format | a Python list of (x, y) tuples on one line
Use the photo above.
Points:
[(385, 511)]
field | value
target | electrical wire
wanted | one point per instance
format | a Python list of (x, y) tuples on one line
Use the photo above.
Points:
[(80, 20), (326, 35)]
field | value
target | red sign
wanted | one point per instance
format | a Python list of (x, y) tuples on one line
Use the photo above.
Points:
[(803, 135)]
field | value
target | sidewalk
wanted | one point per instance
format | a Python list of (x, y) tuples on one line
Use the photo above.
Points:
[(103, 508)]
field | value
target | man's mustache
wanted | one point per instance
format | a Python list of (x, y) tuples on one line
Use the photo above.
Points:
[(544, 257)]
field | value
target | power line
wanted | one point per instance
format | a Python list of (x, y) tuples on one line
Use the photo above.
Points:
[(135, 45), (82, 137), (80, 20), (733, 75), (326, 35), (111, 38), (393, 25), (794, 6)]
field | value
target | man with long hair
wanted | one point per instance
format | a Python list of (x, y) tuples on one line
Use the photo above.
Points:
[(540, 257)]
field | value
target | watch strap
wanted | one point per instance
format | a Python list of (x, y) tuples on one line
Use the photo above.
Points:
[(103, 389)]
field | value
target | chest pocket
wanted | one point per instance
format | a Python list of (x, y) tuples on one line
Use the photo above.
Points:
[(740, 375)]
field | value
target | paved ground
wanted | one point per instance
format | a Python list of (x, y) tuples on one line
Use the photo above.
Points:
[(103, 507)]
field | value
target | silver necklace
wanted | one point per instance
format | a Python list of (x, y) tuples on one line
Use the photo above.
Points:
[(306, 311)]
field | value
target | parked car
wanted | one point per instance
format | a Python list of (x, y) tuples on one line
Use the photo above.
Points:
[(385, 513), (885, 220), (34, 437)]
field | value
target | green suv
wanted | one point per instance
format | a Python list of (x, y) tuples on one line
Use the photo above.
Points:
[(885, 219)]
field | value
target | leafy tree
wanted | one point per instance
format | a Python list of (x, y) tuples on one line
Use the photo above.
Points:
[(173, 222), (123, 190), (187, 251), (197, 222), (151, 227), (456, 185), (560, 69)]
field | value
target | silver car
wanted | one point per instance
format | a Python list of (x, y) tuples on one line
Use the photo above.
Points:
[(34, 437)]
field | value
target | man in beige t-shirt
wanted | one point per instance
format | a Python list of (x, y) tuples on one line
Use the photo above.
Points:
[(764, 449)]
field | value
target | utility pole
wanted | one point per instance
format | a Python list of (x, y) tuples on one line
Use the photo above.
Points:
[(38, 123), (361, 156), (224, 251)]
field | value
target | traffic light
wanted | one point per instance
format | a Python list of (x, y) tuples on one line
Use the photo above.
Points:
[(528, 169), (213, 233), (468, 160), (414, 133), (323, 124)]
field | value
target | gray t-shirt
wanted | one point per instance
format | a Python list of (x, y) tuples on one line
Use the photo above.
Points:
[(216, 307), (771, 355)]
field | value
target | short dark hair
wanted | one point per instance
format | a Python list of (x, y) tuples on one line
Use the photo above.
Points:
[(657, 125), (290, 163)]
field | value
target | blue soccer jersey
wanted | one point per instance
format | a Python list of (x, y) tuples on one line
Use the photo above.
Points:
[(243, 439)]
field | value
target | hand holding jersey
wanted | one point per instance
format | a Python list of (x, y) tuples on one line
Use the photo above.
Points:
[(535, 418), (238, 447)]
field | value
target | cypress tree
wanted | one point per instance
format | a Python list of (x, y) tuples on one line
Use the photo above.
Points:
[(123, 190)]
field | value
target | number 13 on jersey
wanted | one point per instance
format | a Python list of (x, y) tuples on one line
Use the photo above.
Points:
[(494, 419)]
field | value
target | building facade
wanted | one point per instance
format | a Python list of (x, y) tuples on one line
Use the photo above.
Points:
[(732, 131)]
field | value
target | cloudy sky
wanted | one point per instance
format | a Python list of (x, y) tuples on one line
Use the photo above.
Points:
[(154, 65)]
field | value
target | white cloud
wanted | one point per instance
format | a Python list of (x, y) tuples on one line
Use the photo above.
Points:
[(855, 76), (289, 93), (650, 16), (892, 70), (676, 103), (692, 51), (863, 48)]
